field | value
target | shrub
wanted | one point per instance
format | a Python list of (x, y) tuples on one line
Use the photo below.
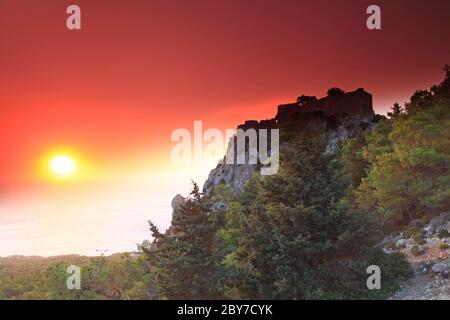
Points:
[(395, 268), (443, 234), (335, 91)]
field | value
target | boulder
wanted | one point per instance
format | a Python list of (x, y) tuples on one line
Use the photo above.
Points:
[(388, 239), (401, 243), (177, 201), (440, 267), (439, 223)]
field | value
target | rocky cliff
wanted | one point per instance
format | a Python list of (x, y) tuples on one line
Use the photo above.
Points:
[(347, 111)]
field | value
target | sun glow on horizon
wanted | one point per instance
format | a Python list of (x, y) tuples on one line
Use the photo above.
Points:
[(63, 165)]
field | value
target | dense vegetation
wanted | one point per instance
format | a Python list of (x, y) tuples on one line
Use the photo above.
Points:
[(311, 230), (308, 232), (408, 158), (117, 276)]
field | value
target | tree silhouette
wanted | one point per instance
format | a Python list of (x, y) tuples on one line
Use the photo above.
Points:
[(397, 110), (304, 99), (335, 91)]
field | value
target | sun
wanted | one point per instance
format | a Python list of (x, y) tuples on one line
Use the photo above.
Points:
[(63, 165)]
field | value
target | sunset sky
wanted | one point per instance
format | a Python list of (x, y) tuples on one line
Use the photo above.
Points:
[(112, 93)]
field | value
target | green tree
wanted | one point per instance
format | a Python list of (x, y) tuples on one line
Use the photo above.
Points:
[(56, 282), (396, 111), (288, 233), (353, 156), (409, 158), (183, 260)]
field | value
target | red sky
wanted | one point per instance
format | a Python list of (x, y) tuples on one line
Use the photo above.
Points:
[(137, 70)]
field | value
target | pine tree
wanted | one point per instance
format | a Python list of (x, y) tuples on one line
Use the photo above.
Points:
[(183, 261), (409, 158), (289, 228), (396, 111), (353, 156)]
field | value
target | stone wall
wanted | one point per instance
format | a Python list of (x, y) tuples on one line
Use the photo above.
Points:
[(351, 108), (357, 103)]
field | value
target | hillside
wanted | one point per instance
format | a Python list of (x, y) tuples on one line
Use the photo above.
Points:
[(40, 278), (348, 178), (353, 190), (344, 113)]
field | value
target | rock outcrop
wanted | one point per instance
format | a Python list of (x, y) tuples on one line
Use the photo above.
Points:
[(177, 201), (426, 247), (349, 110)]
